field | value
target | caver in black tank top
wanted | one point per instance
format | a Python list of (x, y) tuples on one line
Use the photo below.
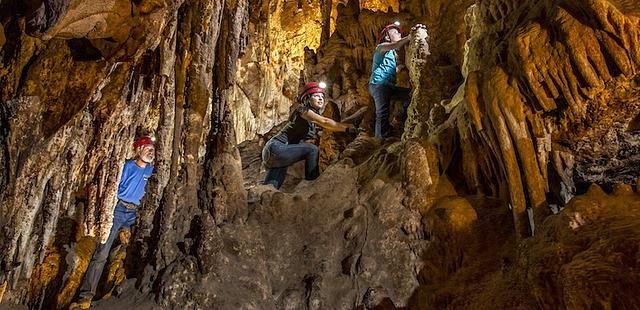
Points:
[(298, 128)]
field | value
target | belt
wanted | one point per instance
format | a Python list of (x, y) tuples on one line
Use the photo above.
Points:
[(127, 205)]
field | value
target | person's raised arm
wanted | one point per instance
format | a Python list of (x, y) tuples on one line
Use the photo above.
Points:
[(325, 122), (387, 46)]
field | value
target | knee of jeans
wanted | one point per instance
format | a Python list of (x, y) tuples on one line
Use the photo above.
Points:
[(314, 153), (273, 183), (102, 253), (265, 154), (130, 222), (380, 115), (315, 150)]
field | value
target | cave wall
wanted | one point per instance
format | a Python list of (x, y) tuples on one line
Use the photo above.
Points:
[(539, 101), (549, 97), (268, 74), (80, 81)]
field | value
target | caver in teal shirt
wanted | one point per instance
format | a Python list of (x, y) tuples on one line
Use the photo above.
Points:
[(383, 68)]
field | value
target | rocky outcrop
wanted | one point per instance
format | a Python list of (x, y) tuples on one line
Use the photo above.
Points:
[(565, 266), (321, 247), (538, 102)]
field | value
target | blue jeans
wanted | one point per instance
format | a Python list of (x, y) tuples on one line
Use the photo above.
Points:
[(122, 218), (382, 96), (278, 156)]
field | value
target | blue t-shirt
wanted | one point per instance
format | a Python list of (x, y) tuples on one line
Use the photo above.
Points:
[(133, 181), (383, 68)]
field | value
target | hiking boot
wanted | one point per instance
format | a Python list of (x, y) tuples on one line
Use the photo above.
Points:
[(82, 303)]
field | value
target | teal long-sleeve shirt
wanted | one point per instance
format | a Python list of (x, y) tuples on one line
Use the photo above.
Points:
[(383, 68)]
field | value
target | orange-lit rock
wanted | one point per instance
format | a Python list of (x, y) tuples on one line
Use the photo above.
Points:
[(505, 116)]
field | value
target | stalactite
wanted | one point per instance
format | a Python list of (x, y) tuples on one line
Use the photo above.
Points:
[(223, 176), (325, 9)]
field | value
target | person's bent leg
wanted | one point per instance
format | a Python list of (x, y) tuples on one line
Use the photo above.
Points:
[(381, 99), (295, 152), (130, 219), (100, 255), (403, 95), (283, 155), (289, 154), (311, 168), (274, 158), (275, 176)]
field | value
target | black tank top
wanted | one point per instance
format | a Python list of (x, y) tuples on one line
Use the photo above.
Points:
[(297, 128)]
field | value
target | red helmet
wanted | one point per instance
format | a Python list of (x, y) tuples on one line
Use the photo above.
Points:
[(141, 141), (395, 25), (312, 88)]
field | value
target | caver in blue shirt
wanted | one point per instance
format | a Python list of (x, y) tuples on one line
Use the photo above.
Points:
[(383, 89), (383, 68), (133, 181)]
